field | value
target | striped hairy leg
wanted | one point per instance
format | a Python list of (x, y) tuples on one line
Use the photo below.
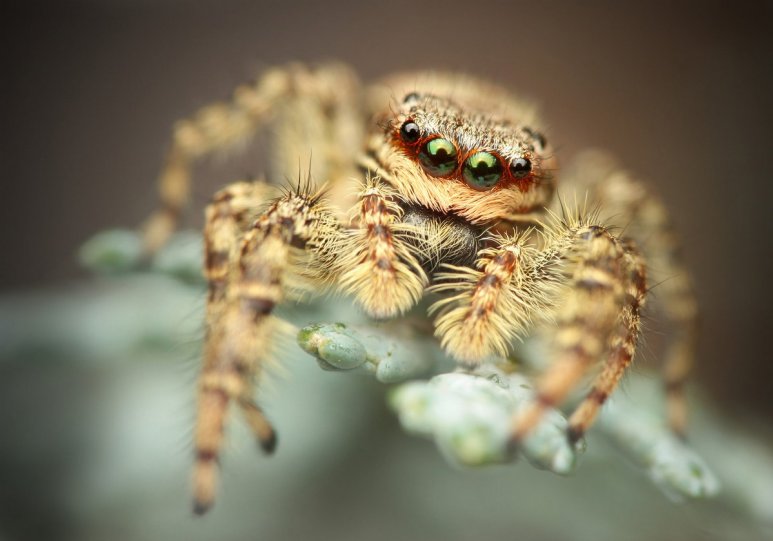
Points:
[(577, 281), (311, 109), (381, 270), (630, 204), (594, 305), (250, 270), (297, 241), (622, 346)]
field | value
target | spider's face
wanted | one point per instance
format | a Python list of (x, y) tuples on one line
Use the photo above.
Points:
[(464, 161)]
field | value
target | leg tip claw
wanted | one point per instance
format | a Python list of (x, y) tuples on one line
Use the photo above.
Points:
[(201, 507), (513, 446), (574, 435), (269, 443)]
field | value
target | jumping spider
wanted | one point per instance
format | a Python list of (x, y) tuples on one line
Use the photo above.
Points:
[(433, 183)]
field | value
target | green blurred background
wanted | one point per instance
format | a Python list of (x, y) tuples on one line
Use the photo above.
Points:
[(94, 441)]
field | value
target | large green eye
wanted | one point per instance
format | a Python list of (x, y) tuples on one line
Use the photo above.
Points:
[(438, 157), (482, 170)]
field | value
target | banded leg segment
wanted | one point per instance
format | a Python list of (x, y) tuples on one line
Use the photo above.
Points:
[(586, 319), (623, 347), (630, 204), (240, 325), (229, 215), (225, 126), (583, 280), (491, 306), (226, 219), (378, 266)]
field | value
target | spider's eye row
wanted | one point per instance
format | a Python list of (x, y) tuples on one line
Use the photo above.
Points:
[(410, 132), (482, 170), (520, 167), (438, 157)]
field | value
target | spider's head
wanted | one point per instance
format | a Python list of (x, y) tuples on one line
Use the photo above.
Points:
[(462, 156)]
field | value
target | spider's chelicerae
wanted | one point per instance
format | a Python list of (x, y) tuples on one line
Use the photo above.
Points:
[(427, 183)]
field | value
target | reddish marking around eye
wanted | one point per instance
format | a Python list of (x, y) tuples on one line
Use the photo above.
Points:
[(508, 179)]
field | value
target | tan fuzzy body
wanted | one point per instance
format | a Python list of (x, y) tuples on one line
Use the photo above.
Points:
[(425, 182), (476, 115)]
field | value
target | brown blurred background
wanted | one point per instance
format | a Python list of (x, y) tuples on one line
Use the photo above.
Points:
[(680, 92)]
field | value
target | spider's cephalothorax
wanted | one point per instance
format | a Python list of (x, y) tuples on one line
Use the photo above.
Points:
[(475, 156), (432, 183)]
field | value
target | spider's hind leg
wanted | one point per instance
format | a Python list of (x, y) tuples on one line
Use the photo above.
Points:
[(317, 108)]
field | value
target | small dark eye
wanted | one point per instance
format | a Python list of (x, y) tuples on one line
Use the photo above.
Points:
[(520, 167), (482, 170), (413, 96), (410, 132), (537, 136), (438, 157)]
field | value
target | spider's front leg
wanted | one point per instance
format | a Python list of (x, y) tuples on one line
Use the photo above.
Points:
[(386, 259), (248, 274), (622, 346), (584, 281), (380, 265), (489, 307)]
